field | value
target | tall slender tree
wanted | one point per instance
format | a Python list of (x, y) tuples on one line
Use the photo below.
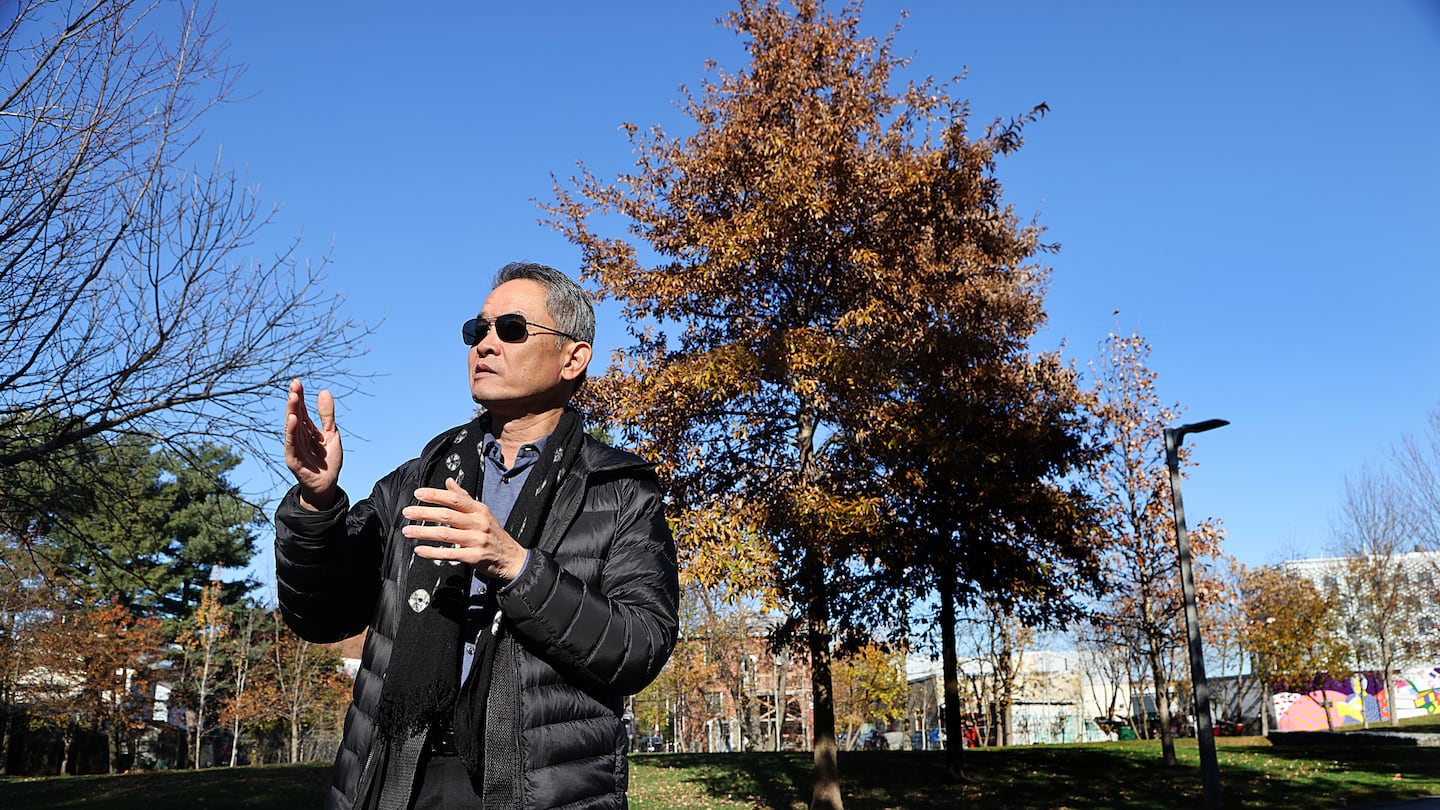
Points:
[(1145, 605), (308, 682), (203, 638), (1375, 532), (243, 706)]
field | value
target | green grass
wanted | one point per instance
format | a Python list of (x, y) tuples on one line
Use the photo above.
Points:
[(1106, 775), (276, 786), (1103, 775)]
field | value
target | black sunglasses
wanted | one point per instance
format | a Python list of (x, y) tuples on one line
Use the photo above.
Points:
[(510, 328)]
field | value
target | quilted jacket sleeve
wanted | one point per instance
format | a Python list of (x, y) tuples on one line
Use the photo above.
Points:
[(601, 610), (328, 563)]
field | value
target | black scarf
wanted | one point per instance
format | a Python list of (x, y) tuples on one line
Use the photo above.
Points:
[(422, 688)]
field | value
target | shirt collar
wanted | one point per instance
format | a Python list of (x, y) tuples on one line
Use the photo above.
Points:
[(528, 455)]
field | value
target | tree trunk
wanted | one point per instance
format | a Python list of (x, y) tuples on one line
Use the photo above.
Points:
[(204, 693), (5, 738), (1162, 708), (113, 741), (66, 737), (744, 708), (782, 701), (825, 795), (1386, 672), (1266, 704), (954, 733), (294, 737), (1004, 683)]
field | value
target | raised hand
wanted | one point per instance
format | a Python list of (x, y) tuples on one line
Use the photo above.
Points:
[(474, 536), (313, 454)]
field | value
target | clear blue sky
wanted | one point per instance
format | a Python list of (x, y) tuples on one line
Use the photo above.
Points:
[(1252, 186)]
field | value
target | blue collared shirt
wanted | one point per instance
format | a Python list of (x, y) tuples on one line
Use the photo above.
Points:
[(499, 492)]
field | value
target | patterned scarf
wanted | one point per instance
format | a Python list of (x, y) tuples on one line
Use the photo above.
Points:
[(422, 686)]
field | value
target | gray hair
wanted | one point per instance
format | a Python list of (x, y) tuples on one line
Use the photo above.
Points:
[(566, 301)]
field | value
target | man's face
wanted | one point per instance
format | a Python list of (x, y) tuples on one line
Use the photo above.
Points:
[(532, 376)]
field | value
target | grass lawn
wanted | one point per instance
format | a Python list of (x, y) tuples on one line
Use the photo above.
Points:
[(1105, 775), (1099, 775)]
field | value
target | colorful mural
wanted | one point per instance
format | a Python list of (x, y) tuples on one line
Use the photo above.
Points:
[(1427, 693), (1360, 698)]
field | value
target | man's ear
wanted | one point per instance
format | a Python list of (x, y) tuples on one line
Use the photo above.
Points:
[(577, 359)]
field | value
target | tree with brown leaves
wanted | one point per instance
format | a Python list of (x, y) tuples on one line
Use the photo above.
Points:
[(88, 669), (307, 682), (802, 248), (1145, 604), (1289, 630)]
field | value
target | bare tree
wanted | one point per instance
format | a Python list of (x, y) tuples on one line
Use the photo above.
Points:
[(1417, 462), (1000, 640), (1374, 532), (129, 301), (1105, 667)]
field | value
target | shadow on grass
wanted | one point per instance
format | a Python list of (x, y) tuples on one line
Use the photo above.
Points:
[(1064, 777), (211, 788), (1078, 777), (1383, 760), (772, 780), (917, 780)]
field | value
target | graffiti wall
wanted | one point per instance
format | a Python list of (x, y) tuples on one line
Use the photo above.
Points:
[(1358, 699)]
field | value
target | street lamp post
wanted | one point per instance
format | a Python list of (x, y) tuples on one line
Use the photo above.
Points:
[(1204, 729)]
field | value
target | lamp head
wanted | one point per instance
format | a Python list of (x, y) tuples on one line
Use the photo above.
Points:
[(1200, 427)]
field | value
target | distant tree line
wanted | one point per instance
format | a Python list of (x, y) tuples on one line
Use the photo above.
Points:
[(114, 632)]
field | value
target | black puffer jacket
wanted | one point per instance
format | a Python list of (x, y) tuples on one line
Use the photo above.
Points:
[(594, 615)]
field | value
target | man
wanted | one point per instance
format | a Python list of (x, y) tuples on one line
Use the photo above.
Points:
[(518, 579)]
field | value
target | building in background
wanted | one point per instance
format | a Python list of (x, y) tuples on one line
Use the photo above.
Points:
[(1056, 698)]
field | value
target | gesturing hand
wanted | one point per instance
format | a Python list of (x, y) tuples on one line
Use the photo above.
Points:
[(313, 455), (476, 537)]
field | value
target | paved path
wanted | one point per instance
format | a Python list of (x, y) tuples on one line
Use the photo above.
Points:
[(1419, 803)]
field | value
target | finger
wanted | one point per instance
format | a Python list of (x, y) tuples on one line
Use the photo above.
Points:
[(453, 496), (295, 435), (438, 533), (432, 514), (325, 404), (300, 438), (446, 552), (291, 422), (293, 403), (295, 406), (455, 489)]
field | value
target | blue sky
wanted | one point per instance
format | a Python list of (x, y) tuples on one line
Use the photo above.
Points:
[(1252, 186)]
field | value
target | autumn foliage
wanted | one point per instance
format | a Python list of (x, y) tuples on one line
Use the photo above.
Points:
[(1144, 609), (810, 275)]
